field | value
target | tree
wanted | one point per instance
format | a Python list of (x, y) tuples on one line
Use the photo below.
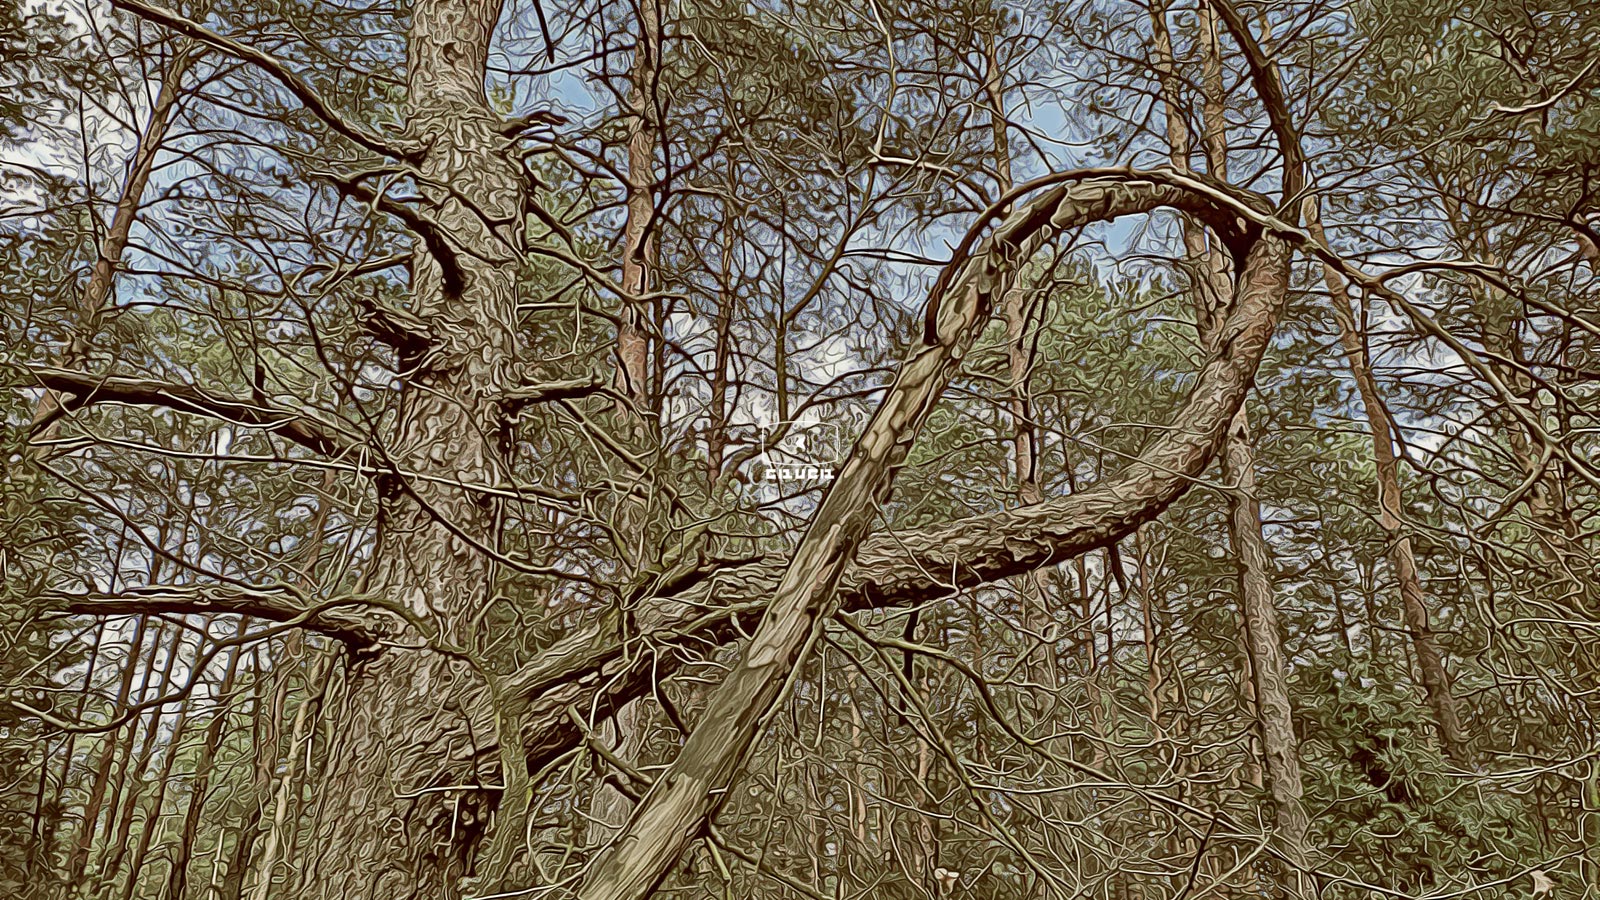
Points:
[(474, 420)]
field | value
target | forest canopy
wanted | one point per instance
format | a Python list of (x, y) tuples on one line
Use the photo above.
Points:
[(1124, 449)]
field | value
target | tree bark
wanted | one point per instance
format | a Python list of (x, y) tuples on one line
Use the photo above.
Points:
[(152, 819), (416, 763), (1269, 667), (277, 835), (46, 825), (1014, 306), (131, 776), (414, 758), (1263, 629), (638, 232)]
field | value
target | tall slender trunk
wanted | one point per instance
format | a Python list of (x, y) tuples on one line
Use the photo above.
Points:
[(1263, 629), (717, 437), (1397, 543), (200, 781), (152, 821), (78, 860), (636, 362), (119, 831), (638, 232), (233, 876), (277, 834), (1155, 681), (232, 884), (1014, 307), (45, 826), (91, 308)]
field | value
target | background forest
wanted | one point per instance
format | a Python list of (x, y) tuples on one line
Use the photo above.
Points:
[(808, 449)]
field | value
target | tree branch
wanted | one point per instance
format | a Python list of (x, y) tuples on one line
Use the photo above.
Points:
[(87, 389), (1269, 87), (524, 395), (272, 66), (679, 806), (355, 629)]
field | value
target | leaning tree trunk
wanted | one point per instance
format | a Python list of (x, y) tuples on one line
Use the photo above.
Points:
[(682, 801), (1397, 542), (96, 297)]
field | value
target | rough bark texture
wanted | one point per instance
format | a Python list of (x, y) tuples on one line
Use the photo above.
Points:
[(1269, 667), (610, 807), (410, 755), (638, 240), (414, 763), (680, 804), (895, 570), (1014, 306)]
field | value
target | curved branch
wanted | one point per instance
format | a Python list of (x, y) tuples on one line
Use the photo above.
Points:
[(937, 561), (910, 567)]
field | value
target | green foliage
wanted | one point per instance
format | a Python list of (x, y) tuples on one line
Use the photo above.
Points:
[(1385, 801), (37, 51)]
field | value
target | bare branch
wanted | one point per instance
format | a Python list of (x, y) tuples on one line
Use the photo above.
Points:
[(87, 389), (274, 605), (273, 67)]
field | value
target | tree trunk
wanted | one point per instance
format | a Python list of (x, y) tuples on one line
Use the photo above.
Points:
[(79, 858), (238, 865), (680, 804), (46, 825), (414, 760), (152, 820), (1264, 638), (610, 807), (97, 290), (638, 233), (200, 781), (119, 828), (1391, 503), (1263, 630), (278, 830), (232, 887)]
